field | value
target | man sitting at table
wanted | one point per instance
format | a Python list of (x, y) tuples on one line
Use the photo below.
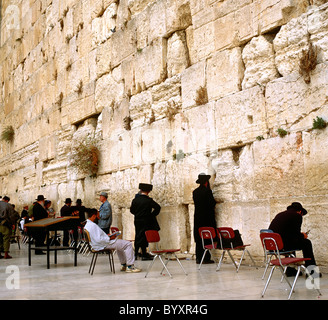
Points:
[(99, 240)]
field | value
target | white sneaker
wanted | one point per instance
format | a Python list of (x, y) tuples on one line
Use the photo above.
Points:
[(131, 269)]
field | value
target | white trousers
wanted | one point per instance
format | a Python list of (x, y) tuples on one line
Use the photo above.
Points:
[(124, 251)]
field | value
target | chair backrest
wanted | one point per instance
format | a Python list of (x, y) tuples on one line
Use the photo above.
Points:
[(226, 233), (86, 236), (152, 236), (266, 230), (271, 241), (207, 232), (114, 229)]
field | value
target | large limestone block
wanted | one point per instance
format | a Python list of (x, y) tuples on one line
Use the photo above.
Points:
[(123, 43), (315, 164), (279, 170), (226, 32), (293, 103), (178, 15), (174, 228), (224, 73), (150, 65), (318, 29), (108, 92), (138, 6), (240, 118), (204, 35), (140, 107), (258, 56), (234, 175), (289, 43), (271, 14), (195, 130), (177, 54), (191, 80)]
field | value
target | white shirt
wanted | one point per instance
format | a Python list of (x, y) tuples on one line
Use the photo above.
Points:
[(98, 238)]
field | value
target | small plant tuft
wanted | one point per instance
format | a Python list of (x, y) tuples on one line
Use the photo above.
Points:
[(85, 157), (259, 138), (8, 134), (319, 123), (201, 96), (282, 132), (127, 123), (308, 62)]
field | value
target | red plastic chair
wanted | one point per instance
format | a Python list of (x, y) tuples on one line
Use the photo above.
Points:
[(268, 255), (207, 233), (153, 237), (228, 234), (272, 242)]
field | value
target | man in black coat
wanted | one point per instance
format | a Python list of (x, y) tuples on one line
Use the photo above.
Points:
[(39, 212), (204, 215), (145, 210), (288, 224)]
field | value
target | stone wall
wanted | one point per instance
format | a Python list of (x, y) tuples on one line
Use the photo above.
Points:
[(169, 88)]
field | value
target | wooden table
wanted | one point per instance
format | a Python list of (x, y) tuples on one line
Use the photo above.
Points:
[(52, 224)]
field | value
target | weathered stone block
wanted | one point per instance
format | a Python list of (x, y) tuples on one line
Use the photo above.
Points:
[(258, 56), (224, 73), (191, 80), (150, 65)]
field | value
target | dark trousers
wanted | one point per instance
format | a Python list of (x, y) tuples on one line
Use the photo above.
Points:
[(306, 246)]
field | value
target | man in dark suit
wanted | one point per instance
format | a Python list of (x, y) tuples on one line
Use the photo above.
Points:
[(66, 211), (39, 212), (288, 224), (145, 210), (204, 215)]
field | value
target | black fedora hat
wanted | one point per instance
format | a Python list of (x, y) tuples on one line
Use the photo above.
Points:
[(298, 207), (40, 197), (145, 187), (68, 200), (202, 178)]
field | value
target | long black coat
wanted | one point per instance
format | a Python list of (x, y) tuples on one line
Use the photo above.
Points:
[(39, 212), (145, 210), (204, 209), (288, 224)]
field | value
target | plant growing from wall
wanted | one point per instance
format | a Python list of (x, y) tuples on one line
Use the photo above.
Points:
[(201, 96), (8, 134), (319, 123), (85, 156), (308, 62), (282, 132)]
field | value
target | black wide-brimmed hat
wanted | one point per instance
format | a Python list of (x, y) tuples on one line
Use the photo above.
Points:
[(68, 200), (202, 178), (298, 207), (40, 198), (145, 187)]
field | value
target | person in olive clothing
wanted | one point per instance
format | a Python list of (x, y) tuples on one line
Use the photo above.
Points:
[(145, 210)]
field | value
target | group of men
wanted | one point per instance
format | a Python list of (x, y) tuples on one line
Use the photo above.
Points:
[(287, 223)]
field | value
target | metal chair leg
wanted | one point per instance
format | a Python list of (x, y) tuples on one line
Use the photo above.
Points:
[(201, 262), (151, 264), (267, 283)]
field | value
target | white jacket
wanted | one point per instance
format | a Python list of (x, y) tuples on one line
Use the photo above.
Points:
[(98, 238)]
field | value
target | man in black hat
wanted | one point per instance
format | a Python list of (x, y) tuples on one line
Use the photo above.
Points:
[(66, 211), (288, 224), (39, 212), (204, 215), (145, 210)]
